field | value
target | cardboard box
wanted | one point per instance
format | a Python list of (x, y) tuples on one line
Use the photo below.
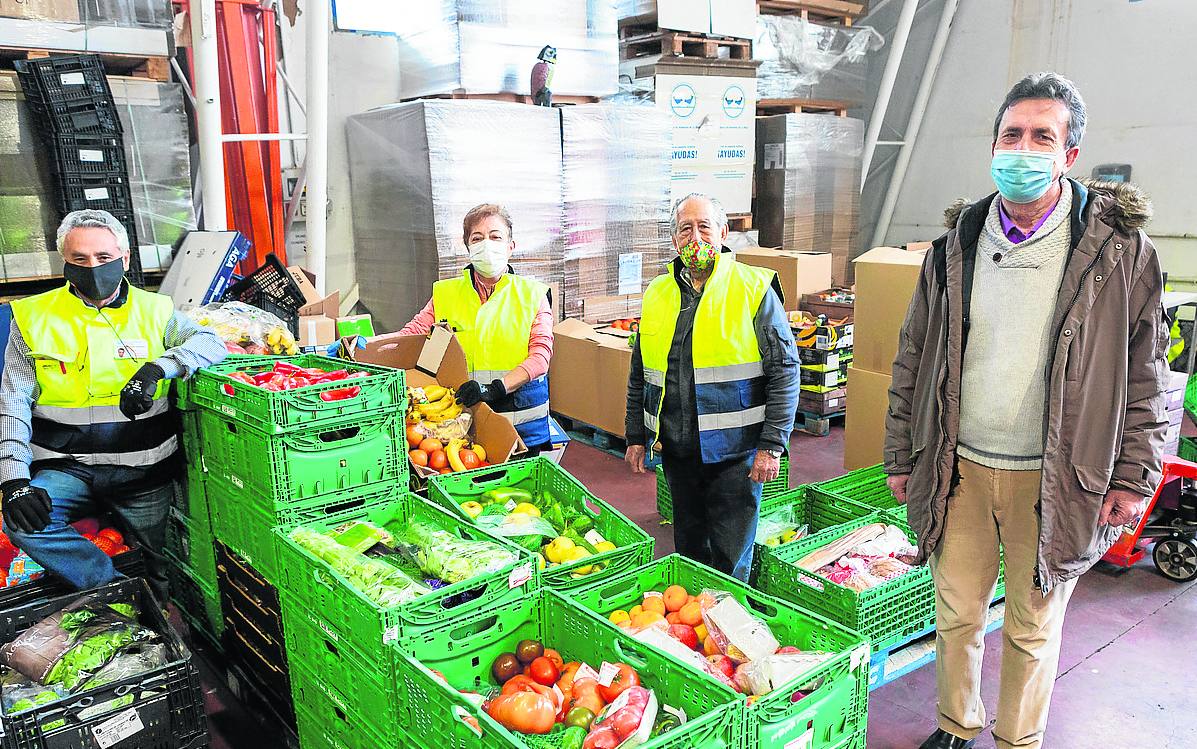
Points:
[(1175, 394), (864, 426), (834, 311), (821, 337), (439, 359), (735, 18), (604, 309), (41, 10), (823, 404), (328, 306), (316, 330), (885, 281), (684, 15), (588, 379), (800, 272)]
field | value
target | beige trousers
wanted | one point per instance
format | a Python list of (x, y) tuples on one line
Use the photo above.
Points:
[(991, 507)]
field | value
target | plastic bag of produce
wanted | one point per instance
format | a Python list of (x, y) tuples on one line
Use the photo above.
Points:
[(763, 675), (73, 644), (779, 527), (377, 580), (738, 634), (20, 693), (444, 555), (517, 526), (246, 329)]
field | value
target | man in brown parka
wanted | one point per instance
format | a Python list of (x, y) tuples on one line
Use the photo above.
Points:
[(1027, 405)]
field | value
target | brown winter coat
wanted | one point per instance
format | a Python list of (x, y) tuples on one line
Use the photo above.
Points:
[(1105, 417)]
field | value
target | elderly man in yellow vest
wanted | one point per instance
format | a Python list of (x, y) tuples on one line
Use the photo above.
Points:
[(85, 425), (714, 380), (504, 324)]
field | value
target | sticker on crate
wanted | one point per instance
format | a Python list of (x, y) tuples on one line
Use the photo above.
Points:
[(118, 729)]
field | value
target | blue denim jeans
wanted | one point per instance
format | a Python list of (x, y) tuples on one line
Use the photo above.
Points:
[(715, 511), (80, 491)]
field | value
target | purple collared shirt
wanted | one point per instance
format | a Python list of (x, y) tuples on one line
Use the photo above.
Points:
[(1012, 232)]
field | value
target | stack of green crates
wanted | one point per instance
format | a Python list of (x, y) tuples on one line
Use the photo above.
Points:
[(1191, 396), (289, 456), (804, 507), (832, 715), (342, 646), (865, 486), (1187, 450), (771, 489), (189, 547), (633, 546)]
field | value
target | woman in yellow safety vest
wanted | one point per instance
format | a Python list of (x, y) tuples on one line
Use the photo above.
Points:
[(503, 322)]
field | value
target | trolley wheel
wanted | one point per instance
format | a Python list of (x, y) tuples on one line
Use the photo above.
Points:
[(1176, 559)]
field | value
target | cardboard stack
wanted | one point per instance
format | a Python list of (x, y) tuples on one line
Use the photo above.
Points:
[(320, 320), (805, 60), (885, 281), (808, 185), (799, 272), (589, 377), (1175, 398)]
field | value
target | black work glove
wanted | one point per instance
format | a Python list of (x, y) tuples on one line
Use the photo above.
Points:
[(26, 507), (471, 393), (138, 393)]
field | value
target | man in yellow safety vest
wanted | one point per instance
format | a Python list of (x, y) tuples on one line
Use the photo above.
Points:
[(714, 380), (85, 424), (504, 324)]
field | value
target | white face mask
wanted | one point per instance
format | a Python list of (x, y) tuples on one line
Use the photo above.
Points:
[(489, 257)]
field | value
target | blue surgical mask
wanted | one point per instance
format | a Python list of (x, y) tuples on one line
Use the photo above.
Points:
[(1022, 176)]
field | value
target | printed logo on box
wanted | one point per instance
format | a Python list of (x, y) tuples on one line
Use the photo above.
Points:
[(733, 101), (683, 153), (684, 100), (731, 152)]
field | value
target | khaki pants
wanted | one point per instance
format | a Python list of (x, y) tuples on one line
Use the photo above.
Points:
[(990, 507)]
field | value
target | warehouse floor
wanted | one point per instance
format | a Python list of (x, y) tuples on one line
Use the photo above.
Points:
[(1126, 669)]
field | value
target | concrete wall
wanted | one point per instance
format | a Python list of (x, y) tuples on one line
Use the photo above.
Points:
[(1134, 62), (363, 74)]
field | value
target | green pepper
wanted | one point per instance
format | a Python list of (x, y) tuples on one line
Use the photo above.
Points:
[(665, 723), (574, 737)]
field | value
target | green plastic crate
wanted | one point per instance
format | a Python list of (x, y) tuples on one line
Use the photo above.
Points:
[(865, 486), (189, 543), (288, 410), (834, 712), (360, 623), (247, 528), (1191, 396), (322, 724), (197, 601), (634, 546), (1188, 449), (307, 465), (777, 486), (885, 615), (715, 712)]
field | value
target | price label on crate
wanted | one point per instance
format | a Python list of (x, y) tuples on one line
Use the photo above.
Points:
[(653, 594), (511, 505), (519, 576), (859, 656), (72, 79), (805, 741), (390, 634), (88, 154), (117, 729), (96, 193), (593, 537)]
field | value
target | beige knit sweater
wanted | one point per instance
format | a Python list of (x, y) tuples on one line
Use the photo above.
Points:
[(1003, 388)]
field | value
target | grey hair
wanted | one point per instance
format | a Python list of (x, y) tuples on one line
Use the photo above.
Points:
[(91, 219), (720, 214), (1048, 85)]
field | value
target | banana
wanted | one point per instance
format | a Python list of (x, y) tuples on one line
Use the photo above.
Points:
[(480, 451), (453, 453), (435, 392), (450, 413)]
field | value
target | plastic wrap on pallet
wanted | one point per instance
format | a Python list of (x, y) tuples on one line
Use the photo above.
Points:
[(156, 149), (615, 190), (149, 14), (631, 8), (482, 46), (804, 60), (808, 185), (417, 168)]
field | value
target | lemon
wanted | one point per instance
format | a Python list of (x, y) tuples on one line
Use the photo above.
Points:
[(602, 546), (527, 508)]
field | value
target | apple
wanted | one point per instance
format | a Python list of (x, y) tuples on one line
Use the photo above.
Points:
[(741, 678), (684, 634), (788, 650), (723, 664)]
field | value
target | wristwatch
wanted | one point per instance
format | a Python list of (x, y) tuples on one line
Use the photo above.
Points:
[(775, 453)]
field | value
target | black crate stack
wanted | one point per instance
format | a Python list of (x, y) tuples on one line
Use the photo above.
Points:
[(80, 127)]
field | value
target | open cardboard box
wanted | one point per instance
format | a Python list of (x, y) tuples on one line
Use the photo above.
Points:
[(438, 359), (588, 381), (799, 272)]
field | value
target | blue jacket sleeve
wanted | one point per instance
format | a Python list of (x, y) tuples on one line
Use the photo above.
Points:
[(779, 355)]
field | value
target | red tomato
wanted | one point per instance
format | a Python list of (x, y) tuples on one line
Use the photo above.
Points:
[(624, 678), (555, 657), (544, 671), (603, 738), (470, 459), (525, 712), (585, 693), (438, 460), (113, 535), (624, 721), (418, 457)]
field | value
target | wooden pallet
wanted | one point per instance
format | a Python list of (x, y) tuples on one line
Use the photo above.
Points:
[(679, 44), (507, 96), (138, 66), (739, 222), (816, 425), (767, 107), (834, 12), (598, 439)]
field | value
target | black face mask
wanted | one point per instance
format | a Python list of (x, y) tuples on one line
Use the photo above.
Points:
[(98, 283)]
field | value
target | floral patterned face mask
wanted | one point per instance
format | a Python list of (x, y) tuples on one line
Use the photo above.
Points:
[(698, 255)]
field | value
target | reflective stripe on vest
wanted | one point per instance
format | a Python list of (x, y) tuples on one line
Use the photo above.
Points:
[(728, 372), (82, 358), (494, 337)]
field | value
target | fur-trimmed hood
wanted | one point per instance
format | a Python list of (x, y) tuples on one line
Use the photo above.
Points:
[(1121, 204)]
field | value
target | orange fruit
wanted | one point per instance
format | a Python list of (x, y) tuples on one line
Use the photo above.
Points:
[(438, 460), (418, 457), (414, 438), (655, 603), (705, 600), (645, 618), (432, 445), (675, 597), (443, 471), (690, 614), (671, 617), (632, 612)]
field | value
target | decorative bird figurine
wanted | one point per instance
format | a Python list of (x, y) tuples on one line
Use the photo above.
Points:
[(542, 77)]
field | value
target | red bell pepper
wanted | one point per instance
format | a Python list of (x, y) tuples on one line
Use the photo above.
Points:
[(286, 368), (341, 394), (261, 378)]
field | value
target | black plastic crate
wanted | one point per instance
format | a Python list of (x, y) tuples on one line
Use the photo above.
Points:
[(109, 192), (95, 117), (129, 564), (270, 288), (167, 701), (65, 78), (88, 155), (134, 274)]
